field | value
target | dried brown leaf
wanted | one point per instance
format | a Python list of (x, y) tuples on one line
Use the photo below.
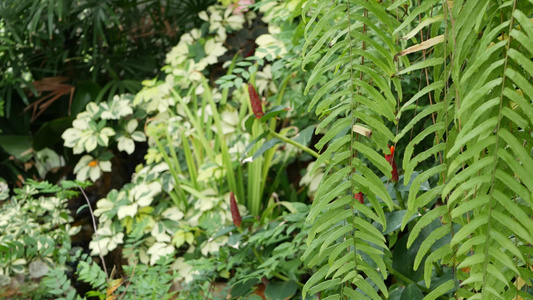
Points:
[(424, 45)]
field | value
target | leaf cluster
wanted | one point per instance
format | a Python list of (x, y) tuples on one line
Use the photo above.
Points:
[(35, 240)]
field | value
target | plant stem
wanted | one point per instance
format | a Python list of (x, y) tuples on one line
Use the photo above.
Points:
[(399, 197), (297, 145), (438, 269), (95, 232), (172, 166)]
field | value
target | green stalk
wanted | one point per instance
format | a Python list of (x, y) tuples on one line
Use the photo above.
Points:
[(254, 176), (181, 197), (195, 109), (226, 159), (175, 198), (197, 125), (173, 154), (209, 133), (267, 162), (269, 155), (255, 168), (197, 147), (296, 144), (399, 197), (189, 159)]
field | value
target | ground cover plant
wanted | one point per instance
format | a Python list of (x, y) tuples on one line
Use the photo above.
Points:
[(302, 150)]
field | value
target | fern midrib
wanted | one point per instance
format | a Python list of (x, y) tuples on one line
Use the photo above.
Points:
[(496, 148), (353, 107), (446, 10)]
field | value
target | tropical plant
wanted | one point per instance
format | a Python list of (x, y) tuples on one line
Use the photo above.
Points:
[(160, 210), (98, 40), (474, 145)]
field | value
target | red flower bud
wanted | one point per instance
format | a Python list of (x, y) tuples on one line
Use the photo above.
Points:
[(390, 159), (235, 214), (359, 196), (257, 108)]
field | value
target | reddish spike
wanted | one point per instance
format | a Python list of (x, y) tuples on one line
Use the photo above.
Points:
[(390, 159), (394, 173), (359, 196), (257, 108), (235, 214), (390, 156)]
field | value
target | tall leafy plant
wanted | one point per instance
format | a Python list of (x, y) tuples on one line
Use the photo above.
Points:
[(467, 130), (338, 233)]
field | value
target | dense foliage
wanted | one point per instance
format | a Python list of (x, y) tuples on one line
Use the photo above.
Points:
[(292, 149), (474, 231), (56, 56)]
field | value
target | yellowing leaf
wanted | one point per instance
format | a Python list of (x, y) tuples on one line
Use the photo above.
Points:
[(112, 287), (424, 45)]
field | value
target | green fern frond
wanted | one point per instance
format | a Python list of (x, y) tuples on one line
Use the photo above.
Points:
[(438, 113), (356, 49), (489, 190), (484, 174)]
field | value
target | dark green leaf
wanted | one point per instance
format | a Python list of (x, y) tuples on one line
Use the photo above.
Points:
[(273, 112), (269, 144), (281, 290), (252, 143), (243, 288), (304, 136), (17, 145), (86, 91), (394, 221), (412, 292), (249, 123), (234, 239), (50, 133)]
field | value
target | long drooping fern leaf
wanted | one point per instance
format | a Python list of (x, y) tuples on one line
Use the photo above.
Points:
[(357, 49), (482, 150)]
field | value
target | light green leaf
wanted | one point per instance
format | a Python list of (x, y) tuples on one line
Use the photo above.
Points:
[(440, 290), (428, 243), (421, 65), (413, 14), (468, 229), (125, 144), (424, 23)]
